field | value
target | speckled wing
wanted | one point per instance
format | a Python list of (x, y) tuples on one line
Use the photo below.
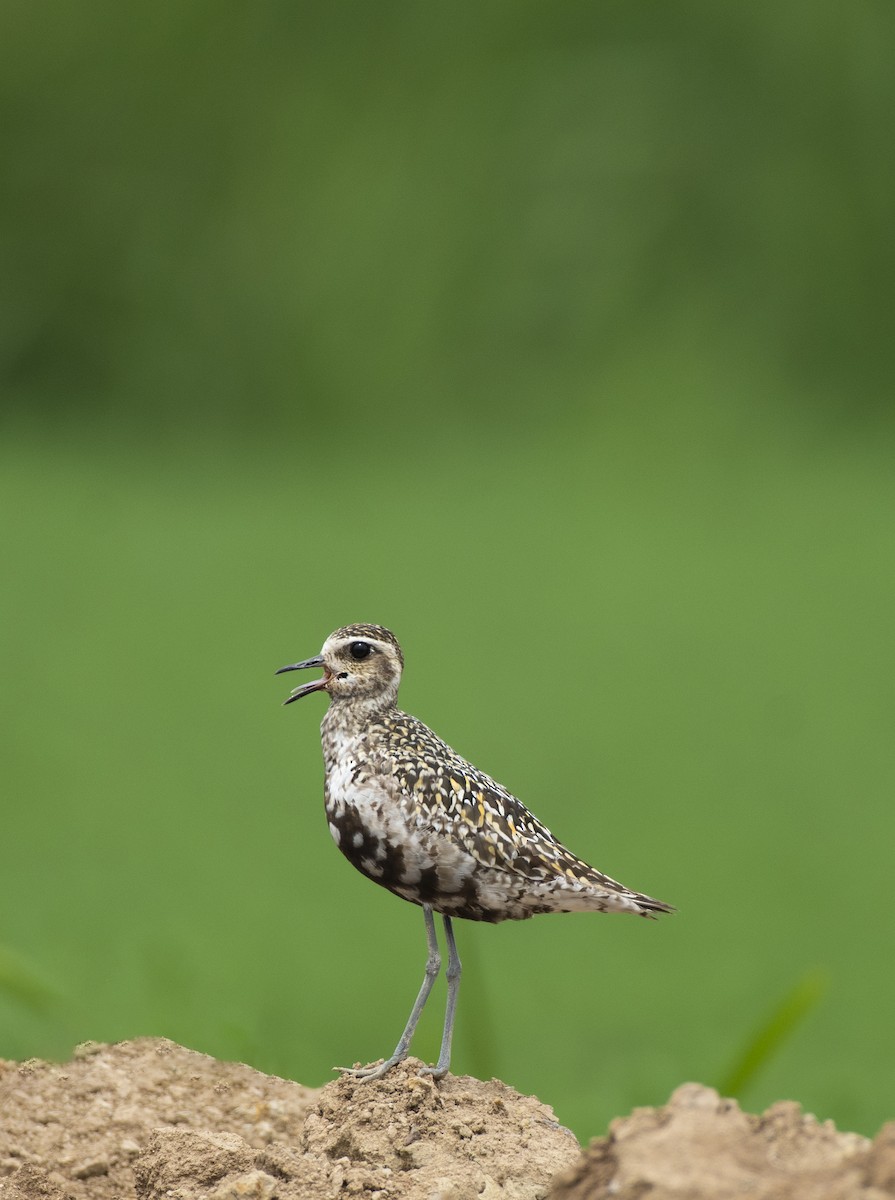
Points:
[(453, 798), (499, 831)]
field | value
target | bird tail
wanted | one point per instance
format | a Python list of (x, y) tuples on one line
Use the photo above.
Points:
[(648, 907)]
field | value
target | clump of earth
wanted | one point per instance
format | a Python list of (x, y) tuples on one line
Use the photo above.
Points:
[(151, 1120)]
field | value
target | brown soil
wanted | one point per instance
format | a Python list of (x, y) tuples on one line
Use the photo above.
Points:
[(699, 1146), (152, 1120)]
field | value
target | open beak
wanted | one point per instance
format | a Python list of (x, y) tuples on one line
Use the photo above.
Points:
[(316, 685)]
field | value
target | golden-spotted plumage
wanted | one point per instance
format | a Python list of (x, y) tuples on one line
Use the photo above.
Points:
[(417, 818)]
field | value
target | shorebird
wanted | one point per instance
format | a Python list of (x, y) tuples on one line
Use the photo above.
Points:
[(416, 818)]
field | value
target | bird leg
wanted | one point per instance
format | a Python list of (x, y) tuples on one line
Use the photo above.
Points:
[(453, 979), (433, 966)]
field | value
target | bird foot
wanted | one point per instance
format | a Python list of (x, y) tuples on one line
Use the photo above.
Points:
[(365, 1074), (432, 1072)]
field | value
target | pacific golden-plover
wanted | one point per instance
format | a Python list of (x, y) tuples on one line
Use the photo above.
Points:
[(415, 817)]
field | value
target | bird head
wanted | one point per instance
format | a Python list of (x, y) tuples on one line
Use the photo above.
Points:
[(360, 663)]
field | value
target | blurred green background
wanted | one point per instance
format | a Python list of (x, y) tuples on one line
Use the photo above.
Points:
[(558, 338)]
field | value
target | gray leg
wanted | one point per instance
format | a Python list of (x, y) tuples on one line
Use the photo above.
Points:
[(433, 966), (453, 977)]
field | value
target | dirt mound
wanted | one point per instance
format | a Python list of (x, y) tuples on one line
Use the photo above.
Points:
[(149, 1119), (80, 1126), (700, 1147)]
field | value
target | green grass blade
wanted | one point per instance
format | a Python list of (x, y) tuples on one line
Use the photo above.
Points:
[(792, 1009), (20, 981)]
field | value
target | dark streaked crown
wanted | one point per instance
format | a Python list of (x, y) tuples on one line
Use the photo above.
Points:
[(377, 632)]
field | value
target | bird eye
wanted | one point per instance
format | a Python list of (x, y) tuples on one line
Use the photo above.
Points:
[(360, 650)]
